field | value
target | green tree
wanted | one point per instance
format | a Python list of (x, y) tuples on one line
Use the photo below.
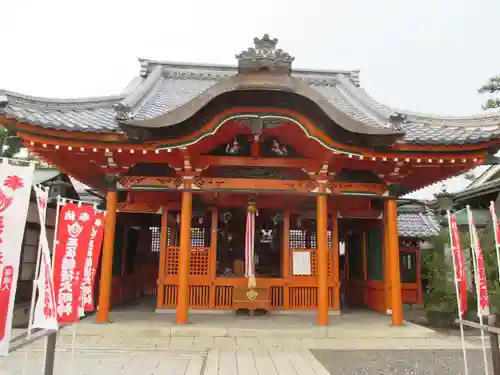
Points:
[(10, 143), (492, 87)]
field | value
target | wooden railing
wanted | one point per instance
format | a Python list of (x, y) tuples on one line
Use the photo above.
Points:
[(206, 291)]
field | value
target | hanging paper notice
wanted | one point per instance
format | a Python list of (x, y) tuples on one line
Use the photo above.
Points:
[(301, 263)]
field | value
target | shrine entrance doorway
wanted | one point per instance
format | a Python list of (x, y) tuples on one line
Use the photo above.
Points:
[(268, 242)]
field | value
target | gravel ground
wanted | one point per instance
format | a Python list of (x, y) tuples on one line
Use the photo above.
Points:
[(414, 362)]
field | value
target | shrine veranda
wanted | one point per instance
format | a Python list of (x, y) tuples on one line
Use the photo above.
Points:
[(187, 148)]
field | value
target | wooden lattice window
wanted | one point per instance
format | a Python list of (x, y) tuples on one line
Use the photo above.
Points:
[(197, 237), (298, 238), (314, 240), (155, 238), (199, 261)]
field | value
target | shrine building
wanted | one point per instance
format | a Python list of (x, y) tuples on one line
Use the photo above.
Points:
[(260, 186)]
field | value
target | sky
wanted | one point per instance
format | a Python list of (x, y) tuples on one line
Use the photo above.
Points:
[(427, 55)]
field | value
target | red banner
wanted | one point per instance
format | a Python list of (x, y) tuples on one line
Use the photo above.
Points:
[(5, 288), (481, 281), (93, 254), (73, 235), (496, 231), (459, 263)]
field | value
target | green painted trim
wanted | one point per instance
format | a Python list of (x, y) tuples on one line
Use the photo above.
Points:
[(252, 114), (354, 192), (374, 257)]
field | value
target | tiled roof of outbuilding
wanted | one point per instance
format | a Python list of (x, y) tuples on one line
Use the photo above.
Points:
[(417, 221)]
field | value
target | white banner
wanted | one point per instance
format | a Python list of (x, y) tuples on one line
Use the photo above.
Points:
[(15, 189), (44, 316)]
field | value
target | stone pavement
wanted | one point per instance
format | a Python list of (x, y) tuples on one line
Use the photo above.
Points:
[(142, 342), (126, 354), (416, 362)]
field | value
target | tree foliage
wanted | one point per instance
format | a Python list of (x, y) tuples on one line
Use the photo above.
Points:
[(10, 144), (492, 87), (438, 270)]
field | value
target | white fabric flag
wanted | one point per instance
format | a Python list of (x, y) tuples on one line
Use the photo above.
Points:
[(45, 316), (15, 189)]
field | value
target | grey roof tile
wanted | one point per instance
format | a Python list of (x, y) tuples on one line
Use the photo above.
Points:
[(86, 120), (165, 86), (417, 222), (342, 102), (86, 115), (423, 133), (170, 94)]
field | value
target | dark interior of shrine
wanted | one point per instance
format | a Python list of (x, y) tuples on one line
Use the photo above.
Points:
[(231, 243)]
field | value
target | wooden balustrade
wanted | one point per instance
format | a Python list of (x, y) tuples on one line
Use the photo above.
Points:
[(206, 292)]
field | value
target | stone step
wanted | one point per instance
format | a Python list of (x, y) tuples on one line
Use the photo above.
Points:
[(409, 330)]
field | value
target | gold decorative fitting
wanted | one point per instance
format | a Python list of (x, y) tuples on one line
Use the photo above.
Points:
[(252, 295)]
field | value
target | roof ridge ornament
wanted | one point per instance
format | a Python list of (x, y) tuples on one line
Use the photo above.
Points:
[(264, 56), (3, 103), (396, 120)]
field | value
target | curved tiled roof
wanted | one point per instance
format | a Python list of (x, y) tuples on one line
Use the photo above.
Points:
[(165, 87), (417, 221), (85, 115)]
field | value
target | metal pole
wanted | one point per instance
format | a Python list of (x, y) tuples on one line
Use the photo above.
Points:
[(494, 348), (50, 353)]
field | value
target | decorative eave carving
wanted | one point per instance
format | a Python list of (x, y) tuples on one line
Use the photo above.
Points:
[(264, 56), (258, 123)]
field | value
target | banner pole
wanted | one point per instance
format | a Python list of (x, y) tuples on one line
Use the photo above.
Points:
[(51, 340), (73, 343), (496, 234), (473, 245), (33, 294), (37, 275), (460, 314), (56, 228)]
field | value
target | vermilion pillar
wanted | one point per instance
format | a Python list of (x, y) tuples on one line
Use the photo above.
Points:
[(336, 265), (392, 243), (160, 298), (387, 274), (285, 259), (322, 257), (107, 258), (184, 253)]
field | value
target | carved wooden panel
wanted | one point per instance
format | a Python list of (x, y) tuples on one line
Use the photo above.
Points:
[(167, 182), (254, 184)]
